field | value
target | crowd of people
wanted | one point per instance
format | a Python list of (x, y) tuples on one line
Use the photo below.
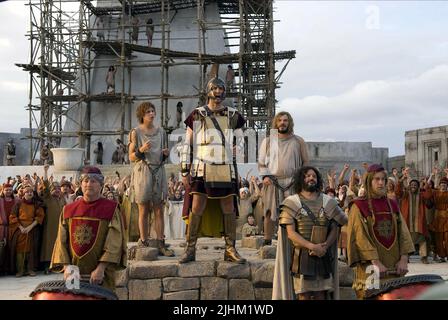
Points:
[(366, 217), (30, 208)]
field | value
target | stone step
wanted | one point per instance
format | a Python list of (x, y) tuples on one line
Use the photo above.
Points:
[(209, 277), (268, 252), (253, 242), (146, 254)]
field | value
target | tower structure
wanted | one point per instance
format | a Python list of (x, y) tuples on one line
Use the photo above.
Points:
[(74, 43)]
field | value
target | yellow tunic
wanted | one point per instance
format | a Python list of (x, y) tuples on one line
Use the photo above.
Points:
[(363, 246), (50, 226), (110, 246), (27, 213)]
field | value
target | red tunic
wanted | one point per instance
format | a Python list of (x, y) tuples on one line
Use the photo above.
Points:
[(5, 211), (383, 227), (84, 221), (405, 205)]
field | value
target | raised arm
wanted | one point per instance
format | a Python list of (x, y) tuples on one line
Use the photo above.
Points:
[(343, 173), (351, 181), (331, 176)]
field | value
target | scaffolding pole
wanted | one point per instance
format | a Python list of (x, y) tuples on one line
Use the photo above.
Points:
[(63, 53)]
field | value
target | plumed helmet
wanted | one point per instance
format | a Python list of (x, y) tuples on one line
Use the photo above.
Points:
[(216, 82)]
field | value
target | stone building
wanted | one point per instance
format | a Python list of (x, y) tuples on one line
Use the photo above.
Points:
[(396, 162), (426, 148), (22, 146), (328, 155)]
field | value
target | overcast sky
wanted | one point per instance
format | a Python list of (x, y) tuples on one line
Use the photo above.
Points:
[(364, 71)]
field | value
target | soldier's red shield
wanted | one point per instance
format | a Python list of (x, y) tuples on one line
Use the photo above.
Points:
[(83, 233), (384, 229)]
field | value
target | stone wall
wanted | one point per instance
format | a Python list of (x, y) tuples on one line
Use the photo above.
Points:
[(396, 162), (208, 278), (22, 146), (199, 280), (425, 148), (327, 155)]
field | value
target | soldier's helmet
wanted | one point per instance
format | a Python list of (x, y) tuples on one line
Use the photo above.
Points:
[(213, 83)]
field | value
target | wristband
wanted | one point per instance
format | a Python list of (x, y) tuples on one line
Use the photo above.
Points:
[(139, 154)]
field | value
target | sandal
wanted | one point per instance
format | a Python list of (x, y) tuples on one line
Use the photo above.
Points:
[(143, 243)]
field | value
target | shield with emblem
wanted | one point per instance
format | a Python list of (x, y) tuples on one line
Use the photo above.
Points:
[(384, 229), (83, 234)]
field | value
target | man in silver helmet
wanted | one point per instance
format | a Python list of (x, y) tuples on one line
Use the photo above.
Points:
[(209, 172)]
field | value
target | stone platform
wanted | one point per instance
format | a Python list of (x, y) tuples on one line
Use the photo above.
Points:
[(208, 278), (174, 287)]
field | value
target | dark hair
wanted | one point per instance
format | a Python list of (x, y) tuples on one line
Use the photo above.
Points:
[(180, 104), (416, 181), (245, 183), (328, 190), (299, 179)]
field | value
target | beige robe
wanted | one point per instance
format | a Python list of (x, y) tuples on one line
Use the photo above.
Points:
[(282, 163), (51, 222), (148, 178)]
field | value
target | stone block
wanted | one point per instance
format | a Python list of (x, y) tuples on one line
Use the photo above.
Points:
[(122, 293), (232, 270), (197, 269), (131, 253), (146, 254), (253, 242), (254, 265), (180, 284), (263, 293), (263, 275), (213, 288), (345, 274), (121, 278), (145, 289), (268, 252), (153, 243), (152, 269), (241, 289), (182, 295), (133, 248)]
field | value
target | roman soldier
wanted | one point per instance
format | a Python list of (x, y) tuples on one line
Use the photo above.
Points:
[(209, 172)]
